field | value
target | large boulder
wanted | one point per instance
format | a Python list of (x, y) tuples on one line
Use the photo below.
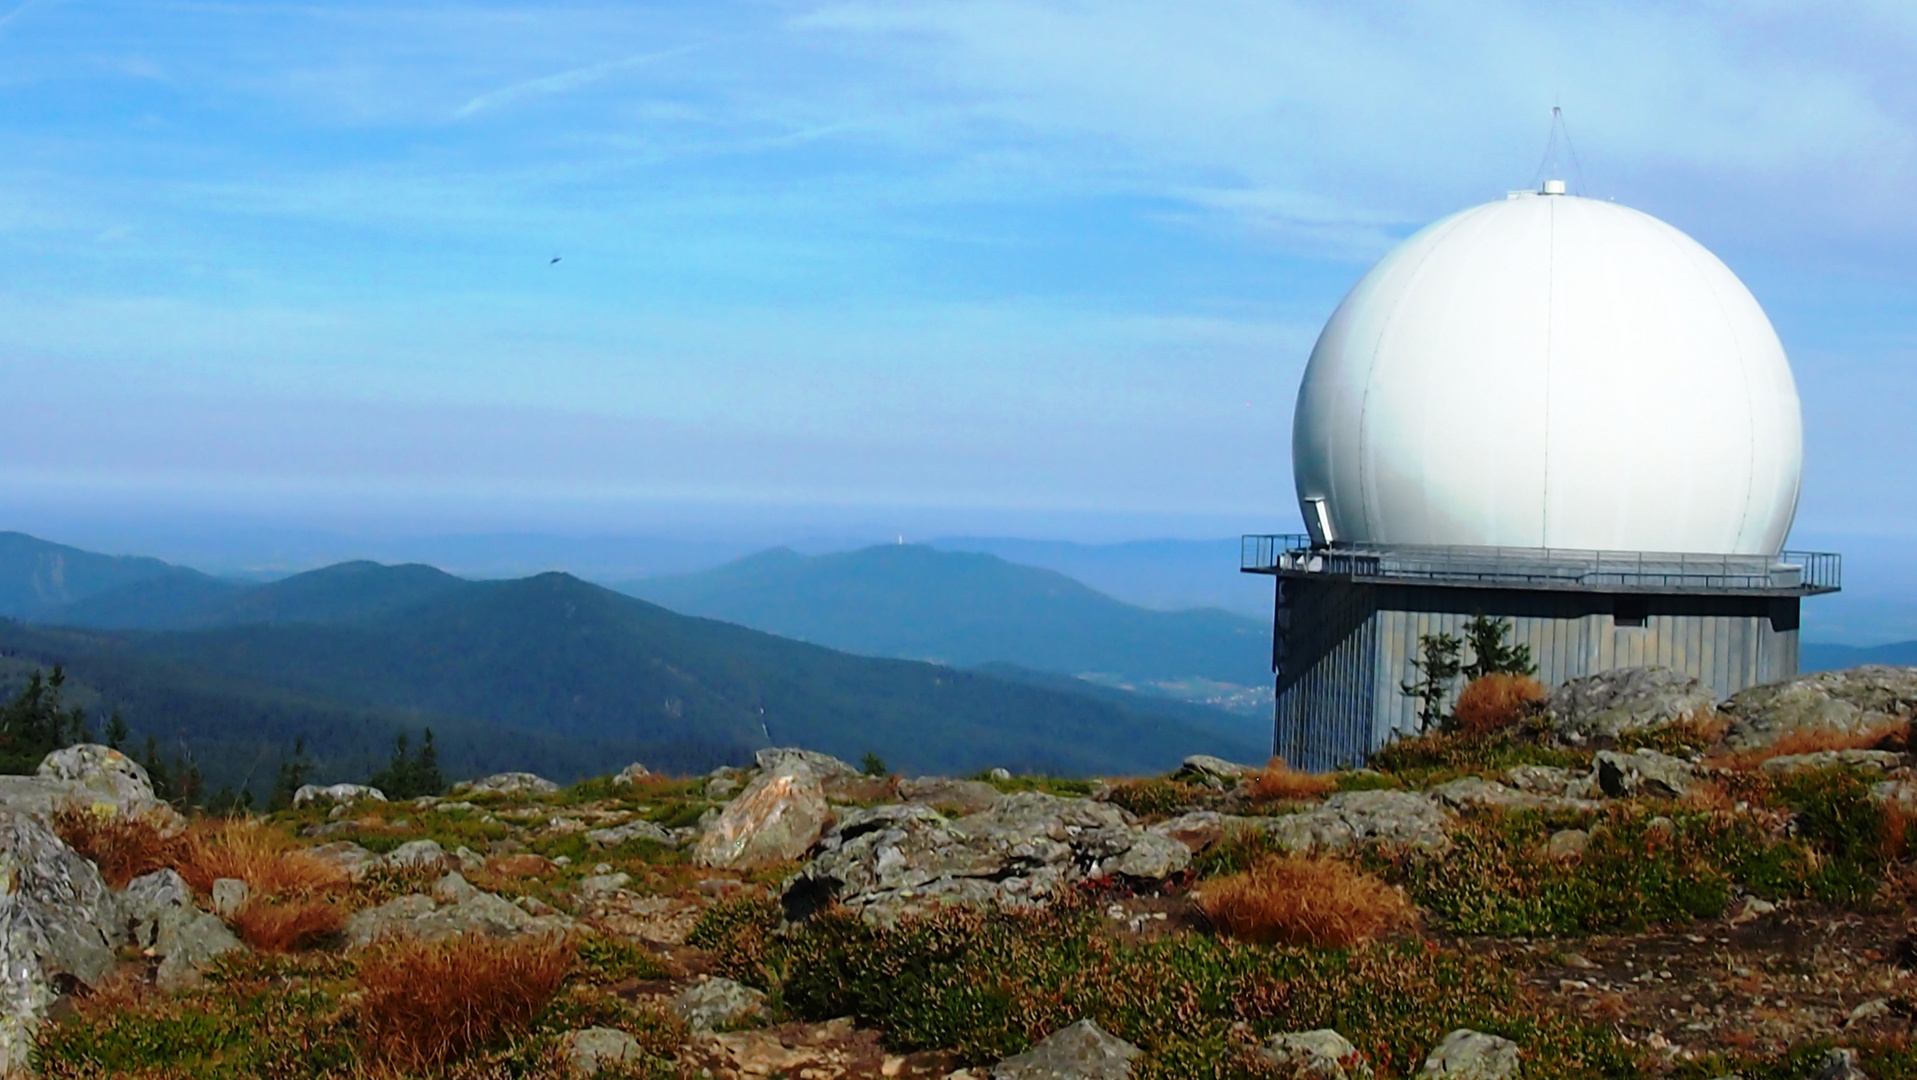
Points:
[(1212, 772), (98, 778), (778, 817), (455, 908), (1852, 701), (886, 860), (1472, 1055), (309, 794), (1625, 699), (718, 1003), (1079, 1051), (160, 915), (517, 784), (1641, 774), (58, 921), (949, 796), (841, 781), (1315, 1055), (1350, 819)]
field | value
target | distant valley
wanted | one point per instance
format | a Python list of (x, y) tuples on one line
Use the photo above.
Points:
[(966, 608), (549, 673)]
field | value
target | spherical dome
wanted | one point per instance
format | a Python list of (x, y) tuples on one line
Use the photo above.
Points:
[(1550, 371)]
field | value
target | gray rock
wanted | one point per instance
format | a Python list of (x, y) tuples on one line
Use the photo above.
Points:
[(722, 787), (1212, 772), (631, 774), (718, 1003), (1545, 780), (824, 766), (999, 774), (1625, 699), (469, 861), (887, 860), (949, 796), (508, 783), (1080, 1051), (229, 895), (57, 917), (160, 915), (451, 913), (599, 884), (631, 830), (93, 777), (100, 766), (453, 889), (1840, 1063), (346, 855), (1197, 830), (416, 855), (1315, 1055), (593, 1049), (188, 942), (1877, 762), (1855, 700), (778, 817), (1477, 793), (1567, 843), (337, 793), (1643, 773), (1361, 818), (1472, 1055)]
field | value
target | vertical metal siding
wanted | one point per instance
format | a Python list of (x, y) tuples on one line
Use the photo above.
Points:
[(1347, 650)]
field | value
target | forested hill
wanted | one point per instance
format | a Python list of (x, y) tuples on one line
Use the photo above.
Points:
[(964, 608), (566, 678)]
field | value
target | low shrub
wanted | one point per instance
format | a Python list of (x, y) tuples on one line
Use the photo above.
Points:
[(423, 1004), (282, 926), (269, 861), (1279, 782), (1698, 731), (1894, 736), (1496, 701), (123, 846), (987, 984), (1240, 849), (1443, 755), (1153, 796), (1304, 901)]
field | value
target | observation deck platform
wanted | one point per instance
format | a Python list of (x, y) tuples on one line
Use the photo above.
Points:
[(1791, 573)]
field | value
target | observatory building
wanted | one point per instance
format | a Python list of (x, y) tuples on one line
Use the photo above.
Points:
[(1552, 410)]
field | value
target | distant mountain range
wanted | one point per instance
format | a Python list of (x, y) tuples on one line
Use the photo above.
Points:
[(1817, 657), (963, 609), (547, 673)]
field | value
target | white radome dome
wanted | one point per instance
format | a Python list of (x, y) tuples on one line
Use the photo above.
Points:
[(1551, 371)]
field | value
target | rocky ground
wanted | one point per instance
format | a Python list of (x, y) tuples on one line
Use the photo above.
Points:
[(1631, 881)]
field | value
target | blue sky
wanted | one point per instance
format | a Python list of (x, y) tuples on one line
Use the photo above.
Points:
[(965, 266)]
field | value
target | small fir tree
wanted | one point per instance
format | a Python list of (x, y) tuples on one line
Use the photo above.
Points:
[(1490, 654), (292, 775), (38, 722), (1439, 664)]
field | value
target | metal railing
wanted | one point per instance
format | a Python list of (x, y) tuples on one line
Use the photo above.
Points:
[(1799, 573)]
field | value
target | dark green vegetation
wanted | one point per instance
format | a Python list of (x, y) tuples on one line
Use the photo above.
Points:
[(990, 984), (37, 722), (916, 602), (1820, 657), (546, 674), (38, 579)]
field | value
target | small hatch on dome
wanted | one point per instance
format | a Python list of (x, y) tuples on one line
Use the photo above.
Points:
[(1554, 187)]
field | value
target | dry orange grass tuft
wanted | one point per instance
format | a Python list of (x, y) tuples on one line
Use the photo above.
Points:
[(1497, 701), (1815, 740), (270, 863), (1304, 901), (1278, 782), (288, 926), (122, 846), (426, 1003)]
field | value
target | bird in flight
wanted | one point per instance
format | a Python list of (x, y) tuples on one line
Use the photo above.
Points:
[(555, 259)]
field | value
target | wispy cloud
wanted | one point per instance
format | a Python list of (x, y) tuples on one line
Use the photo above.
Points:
[(23, 9), (565, 81)]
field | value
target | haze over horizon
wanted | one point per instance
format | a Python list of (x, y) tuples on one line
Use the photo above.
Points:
[(849, 270)]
